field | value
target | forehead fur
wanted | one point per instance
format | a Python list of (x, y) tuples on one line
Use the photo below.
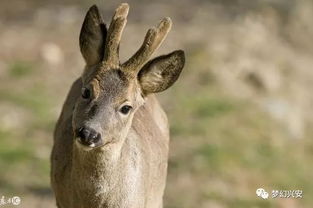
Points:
[(110, 84), (111, 81)]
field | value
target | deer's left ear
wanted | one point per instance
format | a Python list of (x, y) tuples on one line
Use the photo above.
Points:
[(160, 73)]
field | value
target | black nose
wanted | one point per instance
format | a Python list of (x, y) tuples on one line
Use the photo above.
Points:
[(88, 136)]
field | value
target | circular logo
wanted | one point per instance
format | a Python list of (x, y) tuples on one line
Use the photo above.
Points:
[(259, 191), (16, 200)]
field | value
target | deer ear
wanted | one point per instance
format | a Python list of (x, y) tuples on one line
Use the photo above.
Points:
[(92, 36), (160, 73)]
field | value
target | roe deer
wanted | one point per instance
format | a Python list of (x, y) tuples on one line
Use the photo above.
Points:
[(112, 138)]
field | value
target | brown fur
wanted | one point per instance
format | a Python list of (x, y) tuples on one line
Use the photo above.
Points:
[(127, 168)]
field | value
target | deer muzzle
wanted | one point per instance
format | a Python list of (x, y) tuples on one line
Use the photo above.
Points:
[(88, 137)]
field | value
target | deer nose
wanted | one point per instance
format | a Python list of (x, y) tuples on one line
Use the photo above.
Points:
[(88, 136)]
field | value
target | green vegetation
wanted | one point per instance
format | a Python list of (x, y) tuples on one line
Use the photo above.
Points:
[(225, 148), (24, 150), (20, 69)]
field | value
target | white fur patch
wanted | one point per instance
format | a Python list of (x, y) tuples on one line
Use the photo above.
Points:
[(83, 147)]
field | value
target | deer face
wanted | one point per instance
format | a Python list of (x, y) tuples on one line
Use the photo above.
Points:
[(112, 92), (105, 109)]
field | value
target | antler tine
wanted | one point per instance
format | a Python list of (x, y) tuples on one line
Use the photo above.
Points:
[(152, 41), (114, 34)]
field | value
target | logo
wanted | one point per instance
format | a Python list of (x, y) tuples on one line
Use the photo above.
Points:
[(260, 192), (297, 194), (15, 200)]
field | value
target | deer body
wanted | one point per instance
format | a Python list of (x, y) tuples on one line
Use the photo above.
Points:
[(111, 141), (130, 171)]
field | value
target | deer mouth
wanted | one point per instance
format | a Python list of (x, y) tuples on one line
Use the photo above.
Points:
[(88, 145)]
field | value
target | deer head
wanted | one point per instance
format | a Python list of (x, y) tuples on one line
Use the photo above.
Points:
[(111, 91)]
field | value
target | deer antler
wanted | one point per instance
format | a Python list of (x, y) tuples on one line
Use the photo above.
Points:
[(114, 34), (152, 41)]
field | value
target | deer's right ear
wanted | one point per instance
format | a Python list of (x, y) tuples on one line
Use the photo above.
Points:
[(92, 37)]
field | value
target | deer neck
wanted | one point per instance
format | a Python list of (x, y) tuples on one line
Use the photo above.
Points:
[(103, 158)]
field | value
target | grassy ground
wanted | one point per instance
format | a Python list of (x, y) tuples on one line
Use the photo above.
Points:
[(223, 149), (225, 144)]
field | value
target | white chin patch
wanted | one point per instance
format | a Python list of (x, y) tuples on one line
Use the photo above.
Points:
[(84, 147)]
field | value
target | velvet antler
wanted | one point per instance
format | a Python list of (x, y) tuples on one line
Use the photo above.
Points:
[(114, 34), (152, 41)]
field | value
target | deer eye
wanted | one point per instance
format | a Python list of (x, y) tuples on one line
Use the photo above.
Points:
[(125, 109), (86, 93)]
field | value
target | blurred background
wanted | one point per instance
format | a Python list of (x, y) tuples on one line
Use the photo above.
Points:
[(240, 113)]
